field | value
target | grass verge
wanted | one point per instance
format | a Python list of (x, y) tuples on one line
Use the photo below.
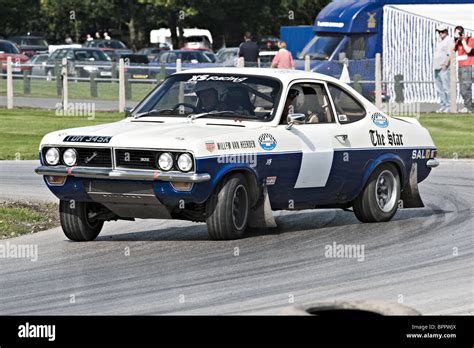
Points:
[(18, 218), (21, 131)]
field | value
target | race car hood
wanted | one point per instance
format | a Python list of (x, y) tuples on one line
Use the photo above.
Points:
[(181, 135)]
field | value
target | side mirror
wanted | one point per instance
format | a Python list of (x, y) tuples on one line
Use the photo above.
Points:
[(295, 119), (128, 111)]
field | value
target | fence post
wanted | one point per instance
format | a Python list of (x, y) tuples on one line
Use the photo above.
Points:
[(378, 81), (128, 87), (64, 78), (121, 85), (57, 73), (240, 62), (453, 94), (178, 65), (9, 84), (399, 95), (26, 82), (93, 84), (307, 63), (357, 85)]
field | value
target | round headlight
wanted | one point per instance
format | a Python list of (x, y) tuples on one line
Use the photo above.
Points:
[(165, 161), (185, 162), (52, 156), (70, 157)]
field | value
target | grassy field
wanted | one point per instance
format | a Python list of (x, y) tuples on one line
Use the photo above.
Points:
[(23, 218), (77, 90), (21, 131)]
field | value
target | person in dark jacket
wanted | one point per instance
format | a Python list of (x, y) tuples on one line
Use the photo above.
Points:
[(249, 50)]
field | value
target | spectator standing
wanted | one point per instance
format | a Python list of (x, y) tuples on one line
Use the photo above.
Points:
[(464, 46), (249, 50), (97, 35), (283, 59), (89, 37), (106, 36), (441, 61)]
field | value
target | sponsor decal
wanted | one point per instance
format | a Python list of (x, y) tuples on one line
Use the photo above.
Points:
[(236, 145), (379, 138), (380, 120), (331, 24), (86, 139), (371, 22), (267, 141), (210, 146), (423, 154), (271, 180), (198, 78)]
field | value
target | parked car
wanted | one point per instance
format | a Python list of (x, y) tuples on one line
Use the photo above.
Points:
[(113, 48), (137, 66), (223, 146), (38, 64), (31, 44), (266, 58), (81, 62), (10, 49), (152, 52), (198, 41), (227, 56), (189, 59)]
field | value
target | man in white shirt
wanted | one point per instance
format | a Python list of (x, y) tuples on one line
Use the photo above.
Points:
[(441, 61)]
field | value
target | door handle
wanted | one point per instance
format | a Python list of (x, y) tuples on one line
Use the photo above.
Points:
[(343, 137)]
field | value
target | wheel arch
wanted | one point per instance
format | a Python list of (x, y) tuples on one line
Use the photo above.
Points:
[(250, 175), (383, 159)]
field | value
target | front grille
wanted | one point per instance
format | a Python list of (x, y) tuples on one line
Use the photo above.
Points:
[(138, 159), (94, 157), (88, 157)]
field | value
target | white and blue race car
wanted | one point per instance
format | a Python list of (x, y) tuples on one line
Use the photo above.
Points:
[(228, 146)]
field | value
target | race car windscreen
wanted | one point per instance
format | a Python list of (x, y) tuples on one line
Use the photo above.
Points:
[(214, 96)]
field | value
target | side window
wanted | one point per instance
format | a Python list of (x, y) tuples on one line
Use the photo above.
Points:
[(347, 107), (164, 57), (171, 57), (311, 100), (356, 47)]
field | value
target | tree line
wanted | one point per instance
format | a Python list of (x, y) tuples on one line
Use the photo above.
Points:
[(132, 20)]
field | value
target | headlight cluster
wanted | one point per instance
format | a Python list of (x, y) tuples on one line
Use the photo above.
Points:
[(53, 157), (166, 161)]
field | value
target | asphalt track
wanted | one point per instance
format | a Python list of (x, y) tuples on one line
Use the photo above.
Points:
[(423, 258)]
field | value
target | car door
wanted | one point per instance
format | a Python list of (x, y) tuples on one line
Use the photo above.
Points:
[(314, 132)]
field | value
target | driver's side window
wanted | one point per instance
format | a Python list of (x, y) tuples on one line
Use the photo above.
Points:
[(311, 100)]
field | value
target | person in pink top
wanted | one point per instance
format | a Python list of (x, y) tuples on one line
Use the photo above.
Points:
[(283, 59)]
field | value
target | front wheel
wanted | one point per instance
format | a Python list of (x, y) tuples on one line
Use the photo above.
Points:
[(378, 201), (78, 220), (228, 209)]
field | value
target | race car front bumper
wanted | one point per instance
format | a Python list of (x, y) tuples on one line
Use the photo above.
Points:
[(123, 174)]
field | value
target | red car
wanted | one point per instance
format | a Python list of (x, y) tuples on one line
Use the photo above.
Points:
[(9, 49)]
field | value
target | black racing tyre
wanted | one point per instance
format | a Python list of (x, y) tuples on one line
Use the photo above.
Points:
[(378, 201), (227, 209), (76, 221)]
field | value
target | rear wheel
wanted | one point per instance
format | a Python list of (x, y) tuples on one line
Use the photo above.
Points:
[(228, 209), (78, 220), (378, 201)]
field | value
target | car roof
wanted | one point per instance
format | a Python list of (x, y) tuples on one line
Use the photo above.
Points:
[(284, 75)]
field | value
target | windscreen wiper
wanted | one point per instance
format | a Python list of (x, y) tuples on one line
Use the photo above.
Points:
[(192, 117), (150, 112)]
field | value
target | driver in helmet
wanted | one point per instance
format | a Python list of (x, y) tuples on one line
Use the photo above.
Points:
[(208, 98)]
